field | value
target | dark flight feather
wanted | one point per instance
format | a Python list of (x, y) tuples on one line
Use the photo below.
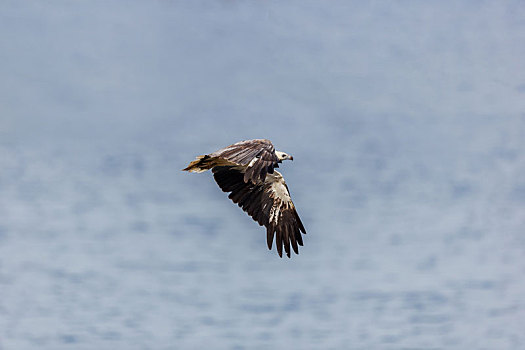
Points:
[(257, 200)]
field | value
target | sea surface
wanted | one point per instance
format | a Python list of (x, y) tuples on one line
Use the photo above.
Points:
[(406, 121)]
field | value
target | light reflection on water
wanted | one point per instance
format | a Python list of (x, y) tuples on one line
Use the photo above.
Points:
[(407, 175), (111, 262)]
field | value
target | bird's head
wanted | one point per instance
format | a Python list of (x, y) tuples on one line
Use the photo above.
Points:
[(283, 156)]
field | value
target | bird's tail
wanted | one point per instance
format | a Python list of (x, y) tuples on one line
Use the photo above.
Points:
[(200, 164)]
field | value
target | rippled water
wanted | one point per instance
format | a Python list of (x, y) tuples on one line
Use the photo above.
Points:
[(407, 128)]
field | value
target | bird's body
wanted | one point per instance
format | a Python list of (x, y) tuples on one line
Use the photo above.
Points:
[(247, 170)]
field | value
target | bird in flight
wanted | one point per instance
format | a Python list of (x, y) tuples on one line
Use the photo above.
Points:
[(246, 169)]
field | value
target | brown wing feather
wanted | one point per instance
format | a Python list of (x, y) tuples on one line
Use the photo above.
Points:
[(260, 201), (244, 152)]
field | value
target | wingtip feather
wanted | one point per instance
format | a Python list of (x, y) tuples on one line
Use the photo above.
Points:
[(269, 237)]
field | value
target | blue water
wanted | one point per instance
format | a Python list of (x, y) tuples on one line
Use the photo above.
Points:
[(406, 122)]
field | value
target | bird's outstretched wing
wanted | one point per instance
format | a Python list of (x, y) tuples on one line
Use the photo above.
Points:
[(267, 202), (257, 156)]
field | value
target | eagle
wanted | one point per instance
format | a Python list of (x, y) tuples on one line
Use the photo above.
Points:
[(246, 170)]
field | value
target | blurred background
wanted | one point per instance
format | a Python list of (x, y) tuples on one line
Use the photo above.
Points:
[(407, 124)]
